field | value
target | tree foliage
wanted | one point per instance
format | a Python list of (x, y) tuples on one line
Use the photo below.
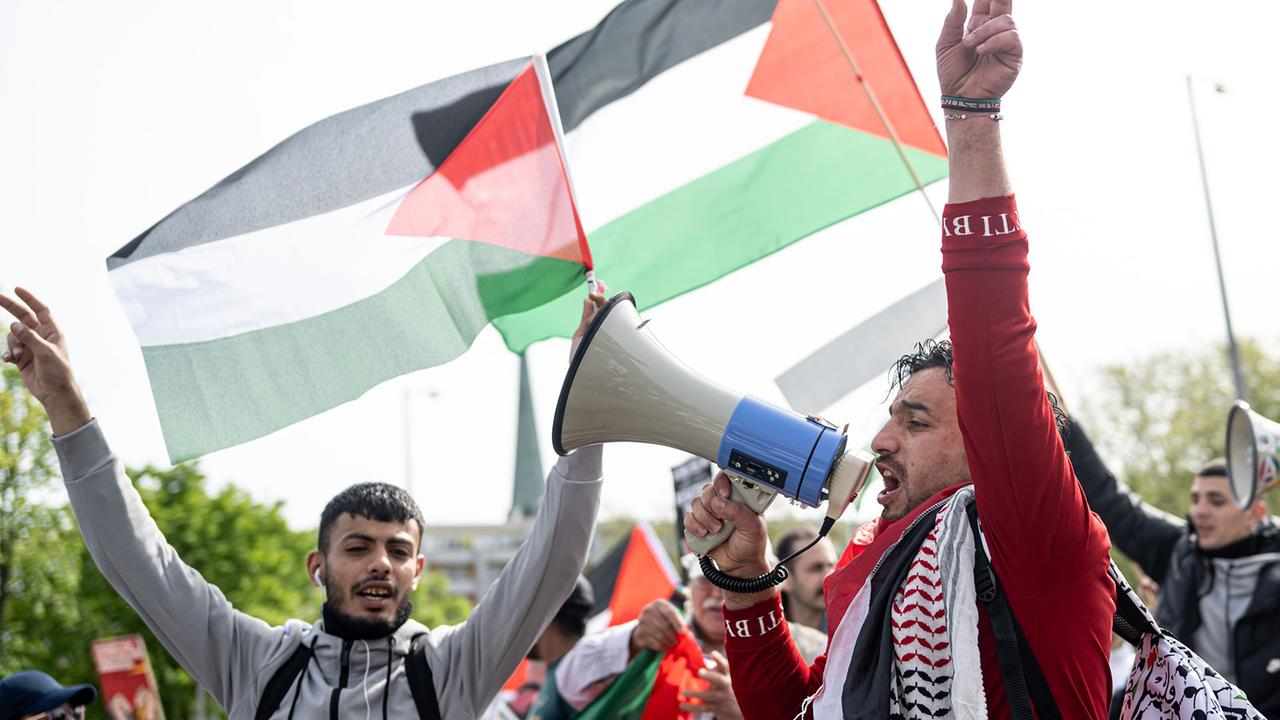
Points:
[(1158, 419)]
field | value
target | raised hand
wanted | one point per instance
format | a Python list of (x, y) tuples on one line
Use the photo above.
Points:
[(38, 349), (595, 300), (980, 59)]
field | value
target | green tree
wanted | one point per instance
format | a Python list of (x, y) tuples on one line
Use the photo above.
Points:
[(1157, 419), (37, 577), (434, 606)]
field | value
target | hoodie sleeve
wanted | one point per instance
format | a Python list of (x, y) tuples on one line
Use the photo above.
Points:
[(218, 645), (470, 662)]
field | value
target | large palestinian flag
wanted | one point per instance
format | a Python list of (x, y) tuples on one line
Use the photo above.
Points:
[(703, 135), (374, 243)]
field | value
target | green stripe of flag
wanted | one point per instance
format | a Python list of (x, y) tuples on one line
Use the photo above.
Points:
[(626, 697), (733, 216), (219, 393)]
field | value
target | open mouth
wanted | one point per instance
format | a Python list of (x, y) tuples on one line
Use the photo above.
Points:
[(375, 595), (892, 483)]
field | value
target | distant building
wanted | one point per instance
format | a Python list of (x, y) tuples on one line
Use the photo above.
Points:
[(471, 556)]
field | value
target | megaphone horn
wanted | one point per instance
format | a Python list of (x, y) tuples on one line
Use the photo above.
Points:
[(1253, 468), (624, 386)]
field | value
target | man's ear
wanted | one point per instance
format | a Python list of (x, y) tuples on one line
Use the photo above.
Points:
[(315, 565), (1257, 511)]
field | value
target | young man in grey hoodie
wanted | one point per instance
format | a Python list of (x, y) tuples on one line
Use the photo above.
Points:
[(368, 560)]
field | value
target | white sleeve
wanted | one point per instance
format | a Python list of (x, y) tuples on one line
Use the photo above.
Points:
[(594, 663)]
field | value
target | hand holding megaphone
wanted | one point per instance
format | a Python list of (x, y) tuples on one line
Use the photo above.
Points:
[(743, 550), (624, 386)]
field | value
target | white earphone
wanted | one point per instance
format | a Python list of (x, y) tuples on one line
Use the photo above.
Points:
[(316, 577)]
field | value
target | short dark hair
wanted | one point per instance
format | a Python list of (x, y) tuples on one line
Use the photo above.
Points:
[(572, 616), (932, 354), (374, 500), (792, 540), (1216, 467)]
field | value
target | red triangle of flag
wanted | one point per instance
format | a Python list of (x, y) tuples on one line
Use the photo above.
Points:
[(643, 577), (803, 67), (505, 184)]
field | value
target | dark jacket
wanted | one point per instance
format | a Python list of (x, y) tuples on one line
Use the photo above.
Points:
[(1167, 550)]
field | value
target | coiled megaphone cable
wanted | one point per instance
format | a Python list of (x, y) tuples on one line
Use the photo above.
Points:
[(773, 578)]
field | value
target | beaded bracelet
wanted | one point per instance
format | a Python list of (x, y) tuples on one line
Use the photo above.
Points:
[(963, 116)]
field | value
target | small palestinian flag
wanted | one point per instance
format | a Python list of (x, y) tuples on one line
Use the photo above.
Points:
[(653, 686), (374, 243), (704, 135)]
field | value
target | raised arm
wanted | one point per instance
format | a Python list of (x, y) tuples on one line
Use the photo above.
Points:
[(1033, 511), (1142, 532), (475, 658), (192, 618)]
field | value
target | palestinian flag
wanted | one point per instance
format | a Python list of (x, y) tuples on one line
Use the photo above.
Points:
[(636, 572), (704, 135), (653, 686), (374, 243)]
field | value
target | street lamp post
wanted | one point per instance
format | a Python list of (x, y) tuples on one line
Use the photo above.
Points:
[(1232, 349)]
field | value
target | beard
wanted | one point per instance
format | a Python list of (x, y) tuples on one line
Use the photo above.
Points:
[(350, 627)]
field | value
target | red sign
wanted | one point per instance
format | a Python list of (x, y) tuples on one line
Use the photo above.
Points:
[(128, 685)]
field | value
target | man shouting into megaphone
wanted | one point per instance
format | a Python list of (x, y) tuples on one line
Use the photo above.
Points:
[(971, 425), (365, 657)]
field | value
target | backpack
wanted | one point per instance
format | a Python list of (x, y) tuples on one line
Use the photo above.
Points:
[(1168, 680), (418, 672)]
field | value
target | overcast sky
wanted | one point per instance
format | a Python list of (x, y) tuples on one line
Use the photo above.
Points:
[(116, 113)]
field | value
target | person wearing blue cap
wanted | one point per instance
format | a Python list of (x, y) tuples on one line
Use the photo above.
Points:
[(33, 695)]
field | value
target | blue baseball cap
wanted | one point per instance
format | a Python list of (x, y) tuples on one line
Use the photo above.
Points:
[(31, 691)]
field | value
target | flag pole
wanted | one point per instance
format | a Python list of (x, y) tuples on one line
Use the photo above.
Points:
[(897, 144), (1232, 349), (875, 104)]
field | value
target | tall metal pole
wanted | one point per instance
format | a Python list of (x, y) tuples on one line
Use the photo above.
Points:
[(1232, 349), (408, 442)]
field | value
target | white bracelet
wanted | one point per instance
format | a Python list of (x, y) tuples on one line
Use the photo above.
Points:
[(963, 116)]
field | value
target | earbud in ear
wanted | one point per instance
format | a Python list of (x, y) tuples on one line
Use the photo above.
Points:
[(316, 577)]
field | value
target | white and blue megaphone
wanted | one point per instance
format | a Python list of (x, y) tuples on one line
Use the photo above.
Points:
[(624, 386)]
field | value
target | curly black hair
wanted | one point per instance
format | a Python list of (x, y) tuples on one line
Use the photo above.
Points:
[(937, 354)]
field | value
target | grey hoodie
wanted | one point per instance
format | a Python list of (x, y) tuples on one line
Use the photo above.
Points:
[(233, 655), (1231, 584)]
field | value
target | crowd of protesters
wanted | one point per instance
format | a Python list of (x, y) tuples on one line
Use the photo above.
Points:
[(978, 464)]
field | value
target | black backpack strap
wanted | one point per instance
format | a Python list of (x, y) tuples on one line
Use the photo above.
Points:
[(279, 684), (421, 682), (1024, 683)]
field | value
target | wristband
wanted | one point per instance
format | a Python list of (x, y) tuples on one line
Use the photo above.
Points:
[(982, 105)]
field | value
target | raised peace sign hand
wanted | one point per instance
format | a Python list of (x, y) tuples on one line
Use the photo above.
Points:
[(980, 60), (39, 350)]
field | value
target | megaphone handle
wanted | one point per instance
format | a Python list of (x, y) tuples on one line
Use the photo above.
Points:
[(744, 491)]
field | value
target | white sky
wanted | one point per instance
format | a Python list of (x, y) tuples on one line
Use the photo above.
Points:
[(116, 113)]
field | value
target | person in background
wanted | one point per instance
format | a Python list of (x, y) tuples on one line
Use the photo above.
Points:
[(33, 695), (589, 669), (1218, 572), (566, 629), (803, 601)]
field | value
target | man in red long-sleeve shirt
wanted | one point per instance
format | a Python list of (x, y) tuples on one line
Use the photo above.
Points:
[(972, 424)]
